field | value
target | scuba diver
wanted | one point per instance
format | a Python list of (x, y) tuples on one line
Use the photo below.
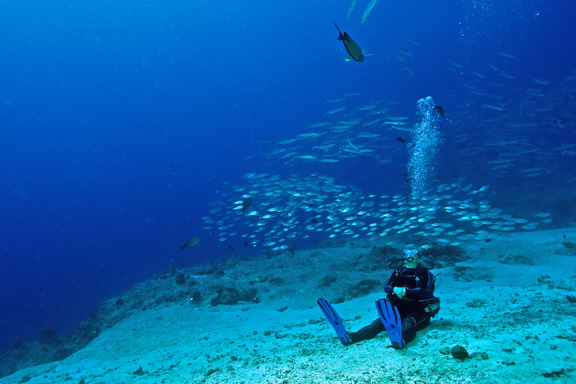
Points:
[(409, 305)]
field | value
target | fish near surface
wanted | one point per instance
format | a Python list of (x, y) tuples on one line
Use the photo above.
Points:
[(352, 48), (191, 242), (439, 110)]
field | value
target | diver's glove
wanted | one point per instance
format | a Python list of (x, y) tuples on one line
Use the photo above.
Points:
[(400, 292)]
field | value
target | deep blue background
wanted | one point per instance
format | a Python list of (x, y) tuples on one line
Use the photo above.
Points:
[(120, 119)]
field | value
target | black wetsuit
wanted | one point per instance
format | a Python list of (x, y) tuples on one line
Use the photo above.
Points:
[(414, 307)]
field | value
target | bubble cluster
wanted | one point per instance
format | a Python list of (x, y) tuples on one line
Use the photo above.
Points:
[(423, 148)]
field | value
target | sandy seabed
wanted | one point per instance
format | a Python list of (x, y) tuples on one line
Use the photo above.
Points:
[(511, 303)]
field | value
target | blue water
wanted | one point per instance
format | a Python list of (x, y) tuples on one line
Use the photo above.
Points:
[(119, 121)]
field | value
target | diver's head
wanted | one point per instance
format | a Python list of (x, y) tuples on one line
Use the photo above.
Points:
[(411, 258)]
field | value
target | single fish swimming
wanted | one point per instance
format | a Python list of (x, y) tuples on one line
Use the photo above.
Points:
[(352, 48), (191, 242), (440, 110), (246, 203)]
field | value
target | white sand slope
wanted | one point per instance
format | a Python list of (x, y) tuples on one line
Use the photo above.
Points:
[(517, 316)]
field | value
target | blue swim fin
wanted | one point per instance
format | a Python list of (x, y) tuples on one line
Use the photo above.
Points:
[(392, 322), (335, 321)]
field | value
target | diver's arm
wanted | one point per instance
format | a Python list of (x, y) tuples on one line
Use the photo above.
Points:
[(388, 288)]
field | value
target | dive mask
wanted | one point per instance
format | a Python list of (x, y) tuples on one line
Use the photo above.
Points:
[(410, 255)]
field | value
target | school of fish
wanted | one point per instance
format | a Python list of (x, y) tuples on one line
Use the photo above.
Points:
[(287, 210), (524, 133)]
